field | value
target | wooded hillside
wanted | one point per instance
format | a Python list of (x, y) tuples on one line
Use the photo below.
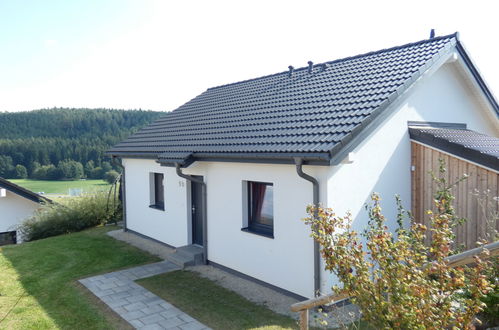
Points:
[(64, 143)]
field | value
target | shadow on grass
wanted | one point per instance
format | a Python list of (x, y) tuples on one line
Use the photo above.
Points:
[(44, 272)]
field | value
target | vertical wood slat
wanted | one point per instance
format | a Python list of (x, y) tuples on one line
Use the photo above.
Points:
[(304, 319), (466, 205)]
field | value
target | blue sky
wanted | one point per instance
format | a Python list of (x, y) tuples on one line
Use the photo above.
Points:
[(159, 54)]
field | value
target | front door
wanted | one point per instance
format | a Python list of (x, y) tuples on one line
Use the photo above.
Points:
[(197, 211)]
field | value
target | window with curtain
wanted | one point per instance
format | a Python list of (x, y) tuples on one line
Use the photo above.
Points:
[(261, 207)]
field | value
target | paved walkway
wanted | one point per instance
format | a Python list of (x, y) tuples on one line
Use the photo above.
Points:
[(138, 306)]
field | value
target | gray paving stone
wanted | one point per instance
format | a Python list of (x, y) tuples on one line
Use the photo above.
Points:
[(153, 301), (102, 293), (107, 286), (135, 306), (134, 315), (154, 309), (138, 306), (118, 303), (192, 326), (122, 288), (172, 322), (118, 282), (149, 294), (166, 305), (107, 299), (95, 278), (187, 318), (136, 323), (172, 312), (152, 327), (119, 295), (136, 298), (119, 310), (150, 319)]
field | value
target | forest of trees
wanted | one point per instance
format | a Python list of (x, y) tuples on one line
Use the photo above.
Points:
[(62, 143)]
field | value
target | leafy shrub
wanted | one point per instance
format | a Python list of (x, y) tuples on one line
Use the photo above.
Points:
[(111, 176), (397, 281), (79, 213), (21, 172)]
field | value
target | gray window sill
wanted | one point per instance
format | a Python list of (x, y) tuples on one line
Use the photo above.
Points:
[(258, 232), (156, 207)]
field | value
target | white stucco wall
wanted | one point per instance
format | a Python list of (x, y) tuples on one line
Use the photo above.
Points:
[(382, 164), (285, 261), (169, 226), (383, 160), (13, 210)]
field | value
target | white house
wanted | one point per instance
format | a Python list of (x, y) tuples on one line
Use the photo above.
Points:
[(233, 169), (16, 204)]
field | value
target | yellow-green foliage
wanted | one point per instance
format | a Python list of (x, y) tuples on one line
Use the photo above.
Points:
[(74, 215), (397, 281)]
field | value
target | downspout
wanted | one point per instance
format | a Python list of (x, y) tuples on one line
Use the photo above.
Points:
[(204, 208), (123, 191), (317, 256)]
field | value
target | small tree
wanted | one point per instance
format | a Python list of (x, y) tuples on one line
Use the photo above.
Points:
[(396, 280), (111, 176), (21, 172)]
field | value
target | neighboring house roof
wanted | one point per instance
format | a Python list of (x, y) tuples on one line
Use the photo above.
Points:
[(470, 145), (23, 192), (314, 113)]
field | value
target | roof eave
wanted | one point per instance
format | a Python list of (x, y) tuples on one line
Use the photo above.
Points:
[(134, 154), (319, 158), (454, 149), (370, 124), (476, 74), (23, 192)]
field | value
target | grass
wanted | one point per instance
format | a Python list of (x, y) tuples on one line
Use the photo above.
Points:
[(61, 187), (212, 304), (38, 288)]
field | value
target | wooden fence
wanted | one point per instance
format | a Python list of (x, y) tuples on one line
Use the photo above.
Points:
[(481, 222), (461, 259)]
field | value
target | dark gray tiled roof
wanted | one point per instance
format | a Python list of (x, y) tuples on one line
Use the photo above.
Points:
[(308, 114), (23, 192), (467, 144)]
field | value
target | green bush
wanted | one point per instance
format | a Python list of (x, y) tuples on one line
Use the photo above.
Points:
[(77, 214), (111, 176)]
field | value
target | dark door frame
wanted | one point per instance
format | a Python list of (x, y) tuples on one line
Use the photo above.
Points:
[(205, 213)]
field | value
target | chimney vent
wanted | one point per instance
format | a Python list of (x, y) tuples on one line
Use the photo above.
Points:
[(310, 66), (291, 69), (432, 33)]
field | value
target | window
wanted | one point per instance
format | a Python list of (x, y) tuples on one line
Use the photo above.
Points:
[(157, 191), (261, 208), (8, 237)]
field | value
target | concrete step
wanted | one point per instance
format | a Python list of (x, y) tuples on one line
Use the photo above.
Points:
[(188, 255), (180, 260)]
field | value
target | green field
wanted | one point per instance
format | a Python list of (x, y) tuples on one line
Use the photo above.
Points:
[(61, 187)]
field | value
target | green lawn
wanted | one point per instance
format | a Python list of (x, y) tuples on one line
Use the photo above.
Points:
[(212, 304), (61, 187), (38, 288)]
